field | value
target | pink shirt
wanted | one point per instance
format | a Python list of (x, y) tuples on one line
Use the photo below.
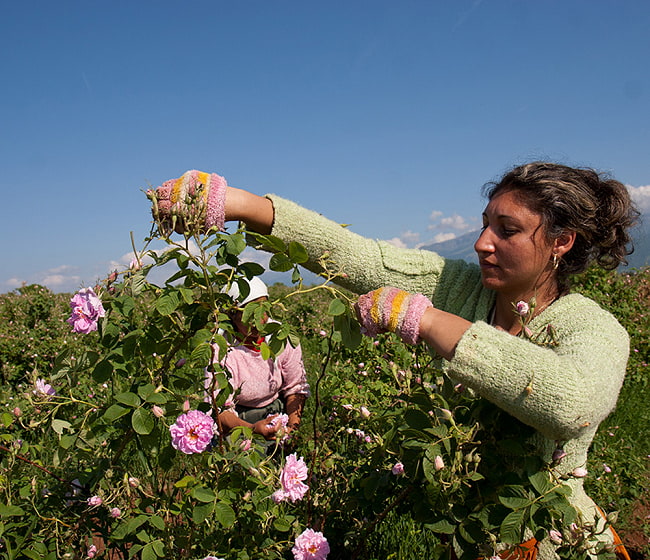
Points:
[(262, 381)]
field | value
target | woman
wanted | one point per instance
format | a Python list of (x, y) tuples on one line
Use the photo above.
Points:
[(264, 388), (543, 222)]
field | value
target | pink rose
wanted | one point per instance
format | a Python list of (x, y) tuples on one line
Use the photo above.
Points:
[(134, 482), (87, 308), (579, 472), (92, 551), (43, 389), (95, 501), (192, 432), (115, 512), (438, 463), (158, 412), (522, 308), (292, 476), (555, 536), (310, 545), (398, 468)]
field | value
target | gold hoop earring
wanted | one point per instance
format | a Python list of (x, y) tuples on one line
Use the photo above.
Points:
[(556, 261)]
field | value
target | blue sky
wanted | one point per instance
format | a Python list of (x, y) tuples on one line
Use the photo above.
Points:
[(386, 115)]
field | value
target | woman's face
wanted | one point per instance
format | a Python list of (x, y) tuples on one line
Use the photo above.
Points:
[(247, 330), (514, 255)]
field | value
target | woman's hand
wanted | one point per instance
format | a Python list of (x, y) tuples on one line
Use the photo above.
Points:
[(197, 201), (265, 428), (390, 309)]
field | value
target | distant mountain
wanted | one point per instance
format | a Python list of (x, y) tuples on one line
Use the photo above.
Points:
[(462, 247)]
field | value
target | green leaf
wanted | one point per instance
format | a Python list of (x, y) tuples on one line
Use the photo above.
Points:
[(281, 525), (336, 307), (59, 425), (201, 355), (274, 243), (512, 527), (417, 419), (235, 244), (10, 511), (224, 514), (129, 399), (280, 263), (185, 481), (157, 522), (167, 303), (114, 412), (541, 482), (142, 421), (442, 526), (187, 295), (203, 494), (202, 512), (515, 497), (103, 371), (297, 253)]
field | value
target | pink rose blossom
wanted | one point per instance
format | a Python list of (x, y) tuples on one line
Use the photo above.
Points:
[(310, 545), (398, 468), (134, 482), (17, 412), (364, 412), (158, 412), (579, 472), (438, 463), (245, 445), (115, 512), (558, 455), (292, 476), (555, 536), (87, 308), (186, 406), (606, 468), (522, 308), (92, 551), (43, 389), (95, 501), (192, 432)]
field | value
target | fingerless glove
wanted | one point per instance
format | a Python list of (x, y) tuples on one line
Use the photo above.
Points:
[(390, 309), (195, 197)]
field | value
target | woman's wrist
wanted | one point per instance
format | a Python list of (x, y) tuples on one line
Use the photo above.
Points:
[(255, 211)]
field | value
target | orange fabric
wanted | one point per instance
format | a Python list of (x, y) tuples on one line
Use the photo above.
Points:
[(524, 551), (621, 552)]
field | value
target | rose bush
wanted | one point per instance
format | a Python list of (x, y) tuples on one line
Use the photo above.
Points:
[(117, 451)]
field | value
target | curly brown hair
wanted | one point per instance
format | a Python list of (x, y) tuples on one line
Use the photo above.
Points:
[(595, 206)]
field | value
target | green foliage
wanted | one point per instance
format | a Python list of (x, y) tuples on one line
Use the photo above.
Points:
[(375, 403)]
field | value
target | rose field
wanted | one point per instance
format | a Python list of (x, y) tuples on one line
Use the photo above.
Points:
[(110, 449)]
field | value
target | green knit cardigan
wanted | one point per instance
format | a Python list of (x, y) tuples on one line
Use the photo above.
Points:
[(575, 384)]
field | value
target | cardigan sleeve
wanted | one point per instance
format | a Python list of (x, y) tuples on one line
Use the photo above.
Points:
[(368, 264), (572, 386)]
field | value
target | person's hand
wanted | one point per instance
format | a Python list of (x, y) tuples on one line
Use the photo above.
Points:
[(264, 428), (390, 309), (195, 202)]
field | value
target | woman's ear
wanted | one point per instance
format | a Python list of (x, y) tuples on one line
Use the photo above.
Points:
[(563, 243)]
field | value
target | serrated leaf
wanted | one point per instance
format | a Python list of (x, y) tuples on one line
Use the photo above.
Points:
[(336, 307), (103, 371), (114, 412), (167, 304), (142, 421), (541, 482), (235, 244), (280, 263), (224, 514), (201, 355), (128, 398), (297, 253), (512, 527), (59, 425), (201, 512), (203, 494)]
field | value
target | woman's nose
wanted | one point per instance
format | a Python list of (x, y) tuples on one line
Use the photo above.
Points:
[(484, 243)]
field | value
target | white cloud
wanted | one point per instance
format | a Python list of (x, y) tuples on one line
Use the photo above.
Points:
[(397, 242), (641, 196), (439, 238)]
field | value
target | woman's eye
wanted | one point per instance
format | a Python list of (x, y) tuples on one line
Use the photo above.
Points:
[(508, 232)]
